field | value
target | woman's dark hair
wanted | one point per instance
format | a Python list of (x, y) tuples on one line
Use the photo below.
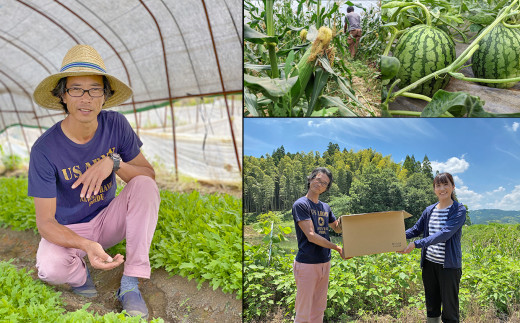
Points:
[(61, 88), (350, 9), (315, 172), (445, 178)]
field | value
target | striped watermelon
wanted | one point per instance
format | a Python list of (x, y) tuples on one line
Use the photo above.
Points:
[(422, 50), (498, 56)]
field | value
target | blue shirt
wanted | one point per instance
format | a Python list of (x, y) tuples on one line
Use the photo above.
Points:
[(451, 234), (56, 162), (321, 215)]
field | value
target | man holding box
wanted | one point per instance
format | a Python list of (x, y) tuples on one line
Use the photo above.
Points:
[(312, 264)]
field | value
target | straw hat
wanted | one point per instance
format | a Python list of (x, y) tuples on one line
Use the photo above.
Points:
[(80, 60)]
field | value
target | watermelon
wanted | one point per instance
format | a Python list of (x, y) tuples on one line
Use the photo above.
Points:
[(498, 56), (389, 67), (422, 50)]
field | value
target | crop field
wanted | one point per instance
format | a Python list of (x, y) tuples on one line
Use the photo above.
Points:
[(384, 287), (297, 62), (197, 236), (450, 58)]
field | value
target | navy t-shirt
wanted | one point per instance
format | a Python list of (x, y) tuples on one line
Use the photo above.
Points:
[(56, 162), (321, 215)]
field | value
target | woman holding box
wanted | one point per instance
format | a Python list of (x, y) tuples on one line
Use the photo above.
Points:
[(441, 256)]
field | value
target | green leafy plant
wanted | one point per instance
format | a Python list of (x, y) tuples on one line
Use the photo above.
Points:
[(387, 283), (197, 236), (17, 208), (23, 299), (12, 162)]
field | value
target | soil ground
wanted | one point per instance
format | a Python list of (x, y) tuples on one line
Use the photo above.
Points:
[(173, 298), (366, 83)]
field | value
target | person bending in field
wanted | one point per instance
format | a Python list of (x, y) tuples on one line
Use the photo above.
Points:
[(72, 178), (312, 263), (441, 255), (353, 23)]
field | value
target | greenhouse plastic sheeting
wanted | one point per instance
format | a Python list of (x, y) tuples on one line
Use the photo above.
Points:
[(162, 48), (205, 149)]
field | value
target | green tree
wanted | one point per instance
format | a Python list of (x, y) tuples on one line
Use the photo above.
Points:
[(376, 190), (329, 153), (418, 194), (278, 154), (468, 219), (427, 167)]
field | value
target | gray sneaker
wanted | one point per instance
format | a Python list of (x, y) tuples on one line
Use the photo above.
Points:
[(133, 302), (88, 289)]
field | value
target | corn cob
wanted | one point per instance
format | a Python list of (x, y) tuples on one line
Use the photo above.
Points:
[(306, 64), (303, 34)]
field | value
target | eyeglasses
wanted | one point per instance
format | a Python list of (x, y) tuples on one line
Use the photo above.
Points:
[(322, 183), (78, 92)]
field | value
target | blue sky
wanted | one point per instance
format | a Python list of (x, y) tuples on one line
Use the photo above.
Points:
[(483, 155)]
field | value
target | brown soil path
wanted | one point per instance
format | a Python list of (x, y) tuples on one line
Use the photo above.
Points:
[(173, 298)]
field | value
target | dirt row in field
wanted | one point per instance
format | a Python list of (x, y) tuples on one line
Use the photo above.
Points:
[(173, 298)]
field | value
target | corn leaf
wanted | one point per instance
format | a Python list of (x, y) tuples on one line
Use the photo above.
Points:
[(272, 88), (251, 103), (257, 37), (329, 101), (320, 80)]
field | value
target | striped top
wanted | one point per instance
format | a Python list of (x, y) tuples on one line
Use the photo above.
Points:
[(435, 252)]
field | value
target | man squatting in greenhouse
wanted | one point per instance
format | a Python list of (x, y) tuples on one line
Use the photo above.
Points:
[(353, 22), (72, 179), (312, 263)]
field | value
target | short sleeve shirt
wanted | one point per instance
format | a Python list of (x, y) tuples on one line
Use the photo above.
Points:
[(56, 162), (321, 215), (354, 20)]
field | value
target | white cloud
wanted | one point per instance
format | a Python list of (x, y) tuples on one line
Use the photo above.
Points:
[(510, 201), (468, 197), (317, 124), (458, 181), (514, 127), (500, 189), (453, 165)]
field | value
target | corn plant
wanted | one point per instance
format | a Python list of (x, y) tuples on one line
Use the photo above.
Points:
[(291, 62)]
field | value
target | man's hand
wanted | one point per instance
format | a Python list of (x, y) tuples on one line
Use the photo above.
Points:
[(342, 253), (409, 248), (93, 177), (99, 259)]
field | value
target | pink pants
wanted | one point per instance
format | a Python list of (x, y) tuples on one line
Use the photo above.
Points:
[(132, 214), (312, 283)]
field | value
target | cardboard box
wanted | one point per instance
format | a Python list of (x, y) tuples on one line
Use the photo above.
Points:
[(371, 233)]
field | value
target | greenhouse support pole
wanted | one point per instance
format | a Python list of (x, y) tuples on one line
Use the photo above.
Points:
[(169, 89), (6, 133), (32, 105), (40, 63), (223, 88), (17, 114)]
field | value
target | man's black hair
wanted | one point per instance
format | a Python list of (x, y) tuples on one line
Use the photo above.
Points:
[(350, 9), (315, 172)]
